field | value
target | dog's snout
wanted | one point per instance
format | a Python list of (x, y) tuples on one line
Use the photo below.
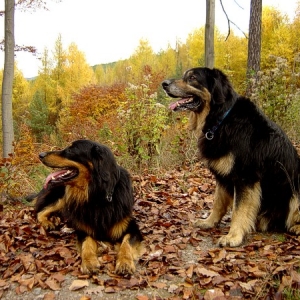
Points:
[(166, 83), (42, 155)]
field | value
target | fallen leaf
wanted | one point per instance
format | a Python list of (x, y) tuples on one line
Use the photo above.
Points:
[(142, 297), (205, 272), (52, 284), (172, 288), (78, 284), (49, 296), (213, 294)]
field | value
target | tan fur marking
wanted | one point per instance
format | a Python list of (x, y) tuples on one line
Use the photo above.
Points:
[(197, 119), (263, 224), (127, 253), (118, 229), (244, 217), (293, 216), (89, 259), (85, 228), (43, 216), (222, 203), (224, 165)]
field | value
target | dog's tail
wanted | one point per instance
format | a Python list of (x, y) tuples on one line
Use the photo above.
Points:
[(31, 197)]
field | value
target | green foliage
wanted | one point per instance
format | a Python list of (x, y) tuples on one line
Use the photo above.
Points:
[(143, 122), (39, 117), (290, 293), (277, 91)]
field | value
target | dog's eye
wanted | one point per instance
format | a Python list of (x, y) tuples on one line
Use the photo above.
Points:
[(192, 77)]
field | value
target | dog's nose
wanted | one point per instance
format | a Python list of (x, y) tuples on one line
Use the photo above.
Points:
[(42, 155), (166, 83)]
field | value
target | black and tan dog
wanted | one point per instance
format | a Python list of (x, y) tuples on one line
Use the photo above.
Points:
[(95, 195), (256, 167)]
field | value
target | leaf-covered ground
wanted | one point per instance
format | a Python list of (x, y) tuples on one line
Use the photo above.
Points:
[(180, 262)]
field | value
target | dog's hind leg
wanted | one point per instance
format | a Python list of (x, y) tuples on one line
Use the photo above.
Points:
[(129, 250), (293, 219), (222, 202), (244, 214)]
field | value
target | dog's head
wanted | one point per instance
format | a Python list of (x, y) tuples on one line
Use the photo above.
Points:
[(197, 88), (80, 164)]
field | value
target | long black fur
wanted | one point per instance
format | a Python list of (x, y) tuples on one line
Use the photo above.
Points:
[(265, 162), (104, 212)]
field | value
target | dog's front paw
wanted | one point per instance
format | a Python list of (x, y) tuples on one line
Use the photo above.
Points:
[(125, 265), (230, 240), (295, 229), (204, 224), (90, 266), (48, 225)]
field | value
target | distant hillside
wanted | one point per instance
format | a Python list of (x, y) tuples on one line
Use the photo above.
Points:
[(112, 64), (93, 67)]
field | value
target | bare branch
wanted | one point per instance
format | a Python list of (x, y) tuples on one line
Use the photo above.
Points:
[(18, 48), (30, 49), (238, 5), (229, 21)]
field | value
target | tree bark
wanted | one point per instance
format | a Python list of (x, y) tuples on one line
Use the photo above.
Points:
[(254, 43), (8, 77), (209, 34)]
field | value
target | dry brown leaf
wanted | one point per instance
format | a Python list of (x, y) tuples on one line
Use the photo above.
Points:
[(49, 296), (249, 286), (142, 297), (3, 283), (85, 298), (257, 272), (187, 293), (190, 271), (52, 284), (172, 288), (205, 272), (29, 283), (78, 284), (213, 294), (58, 277), (169, 249), (295, 276), (110, 289), (220, 256)]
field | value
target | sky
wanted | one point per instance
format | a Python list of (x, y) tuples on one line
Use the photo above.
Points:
[(108, 31)]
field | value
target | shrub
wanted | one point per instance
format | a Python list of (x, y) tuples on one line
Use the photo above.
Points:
[(142, 123), (277, 92)]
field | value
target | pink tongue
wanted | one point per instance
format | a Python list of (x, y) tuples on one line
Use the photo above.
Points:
[(53, 175), (173, 105)]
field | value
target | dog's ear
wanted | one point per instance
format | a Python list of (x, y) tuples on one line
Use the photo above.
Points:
[(219, 87), (105, 168)]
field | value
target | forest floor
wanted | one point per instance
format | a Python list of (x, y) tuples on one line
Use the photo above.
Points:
[(180, 261)]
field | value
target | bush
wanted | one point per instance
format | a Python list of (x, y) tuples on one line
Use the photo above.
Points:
[(142, 123), (277, 92)]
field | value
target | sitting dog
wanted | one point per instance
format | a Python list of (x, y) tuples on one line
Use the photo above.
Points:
[(95, 195), (257, 169)]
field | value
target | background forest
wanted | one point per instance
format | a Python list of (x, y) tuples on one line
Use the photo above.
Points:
[(122, 104)]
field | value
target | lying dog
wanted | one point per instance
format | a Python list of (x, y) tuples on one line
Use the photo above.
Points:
[(255, 165), (95, 195)]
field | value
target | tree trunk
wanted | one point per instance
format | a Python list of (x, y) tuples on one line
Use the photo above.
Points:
[(254, 44), (8, 77), (209, 34)]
